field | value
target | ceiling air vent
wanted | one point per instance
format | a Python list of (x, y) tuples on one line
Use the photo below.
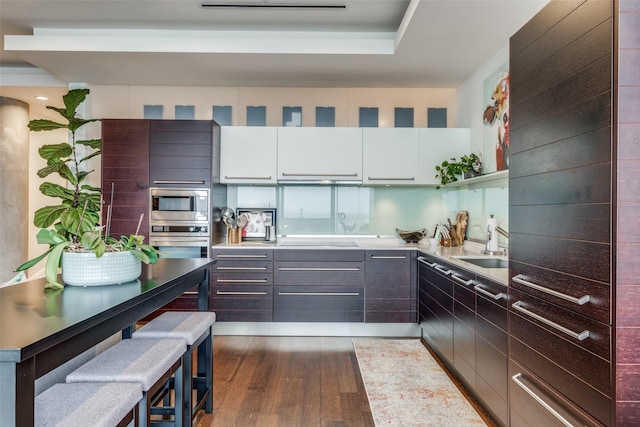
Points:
[(271, 5)]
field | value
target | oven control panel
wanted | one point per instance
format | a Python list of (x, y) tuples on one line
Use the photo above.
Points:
[(180, 230)]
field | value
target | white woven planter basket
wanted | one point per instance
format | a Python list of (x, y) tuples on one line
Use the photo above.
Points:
[(112, 268)]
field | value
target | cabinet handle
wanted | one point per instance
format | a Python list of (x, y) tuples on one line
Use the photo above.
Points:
[(486, 293), (160, 181), (240, 293), (388, 257), (241, 256), (242, 268), (580, 336), (190, 293), (579, 301), (241, 281), (442, 270), (517, 379), (355, 174), (391, 179), (247, 177), (331, 294), (318, 268), (424, 261), (460, 280)]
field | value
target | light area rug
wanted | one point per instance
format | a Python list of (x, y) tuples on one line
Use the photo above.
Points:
[(407, 387)]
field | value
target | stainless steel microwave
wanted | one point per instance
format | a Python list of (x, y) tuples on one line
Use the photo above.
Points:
[(179, 204)]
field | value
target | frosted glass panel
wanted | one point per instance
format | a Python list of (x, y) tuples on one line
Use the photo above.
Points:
[(325, 117), (256, 116), (368, 117), (437, 117), (185, 112), (292, 116), (222, 115), (152, 112), (403, 117)]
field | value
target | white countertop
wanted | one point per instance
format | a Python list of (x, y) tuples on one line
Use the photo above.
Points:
[(470, 249)]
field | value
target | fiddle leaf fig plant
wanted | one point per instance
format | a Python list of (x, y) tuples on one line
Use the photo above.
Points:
[(73, 224), (451, 170)]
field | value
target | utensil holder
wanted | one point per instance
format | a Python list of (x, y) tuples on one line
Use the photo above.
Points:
[(234, 236)]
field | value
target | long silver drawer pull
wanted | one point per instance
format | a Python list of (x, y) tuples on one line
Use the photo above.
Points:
[(241, 281), (160, 181), (580, 301), (545, 405), (242, 256), (580, 336), (442, 270), (318, 268), (242, 268), (387, 257), (240, 293), (319, 174), (247, 177), (424, 261), (486, 293), (331, 294), (460, 280), (371, 178), (191, 293)]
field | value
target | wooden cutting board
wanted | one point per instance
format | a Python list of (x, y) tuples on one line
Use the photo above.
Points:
[(459, 229)]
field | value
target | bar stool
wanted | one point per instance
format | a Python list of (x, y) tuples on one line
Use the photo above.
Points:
[(196, 329), (87, 404), (149, 362)]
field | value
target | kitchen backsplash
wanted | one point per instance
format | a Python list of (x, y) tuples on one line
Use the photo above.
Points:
[(360, 210)]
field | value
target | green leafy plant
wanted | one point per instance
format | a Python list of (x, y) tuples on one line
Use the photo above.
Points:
[(450, 170), (73, 225)]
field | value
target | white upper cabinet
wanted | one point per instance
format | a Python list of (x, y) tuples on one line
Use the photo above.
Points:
[(438, 144), (248, 155), (390, 156), (310, 153)]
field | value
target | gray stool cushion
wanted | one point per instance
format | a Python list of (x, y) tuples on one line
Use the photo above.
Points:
[(86, 404), (178, 324), (142, 360)]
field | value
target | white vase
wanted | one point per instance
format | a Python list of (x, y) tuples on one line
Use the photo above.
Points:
[(112, 268)]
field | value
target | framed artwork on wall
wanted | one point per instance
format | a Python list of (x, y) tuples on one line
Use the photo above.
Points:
[(496, 120)]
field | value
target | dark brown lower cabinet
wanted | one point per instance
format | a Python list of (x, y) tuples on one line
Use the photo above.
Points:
[(318, 285), (464, 320), (390, 286), (242, 285)]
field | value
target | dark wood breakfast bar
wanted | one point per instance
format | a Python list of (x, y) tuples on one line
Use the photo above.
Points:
[(41, 330)]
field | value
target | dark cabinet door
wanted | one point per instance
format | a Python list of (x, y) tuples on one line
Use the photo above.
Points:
[(181, 153), (318, 286), (390, 286), (492, 379), (125, 168), (242, 285)]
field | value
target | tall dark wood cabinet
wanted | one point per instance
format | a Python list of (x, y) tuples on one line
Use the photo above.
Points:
[(125, 164), (574, 321)]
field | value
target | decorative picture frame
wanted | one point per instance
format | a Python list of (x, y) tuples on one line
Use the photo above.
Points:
[(257, 222)]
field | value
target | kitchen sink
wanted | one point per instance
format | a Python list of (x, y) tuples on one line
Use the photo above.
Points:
[(485, 262)]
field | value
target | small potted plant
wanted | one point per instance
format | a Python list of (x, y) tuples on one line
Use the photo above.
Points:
[(452, 170), (72, 228)]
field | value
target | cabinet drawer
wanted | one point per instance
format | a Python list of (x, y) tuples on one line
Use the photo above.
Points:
[(230, 278), (492, 334), (222, 254), (533, 403), (589, 298), (492, 312), (318, 255), (242, 297), (231, 266), (319, 273), (318, 304), (380, 262)]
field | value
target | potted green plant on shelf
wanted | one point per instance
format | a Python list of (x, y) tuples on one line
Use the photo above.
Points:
[(72, 227), (452, 170)]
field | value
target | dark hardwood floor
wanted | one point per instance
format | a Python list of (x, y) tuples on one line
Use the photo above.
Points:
[(286, 381)]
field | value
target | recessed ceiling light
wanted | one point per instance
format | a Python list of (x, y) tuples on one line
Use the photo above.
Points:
[(42, 98)]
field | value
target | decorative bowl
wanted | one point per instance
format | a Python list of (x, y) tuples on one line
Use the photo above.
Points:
[(412, 236)]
